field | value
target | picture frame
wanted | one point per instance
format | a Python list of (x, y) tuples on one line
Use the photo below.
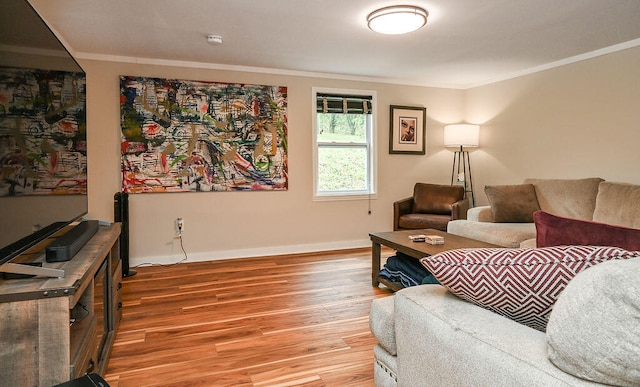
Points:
[(407, 130), (231, 137)]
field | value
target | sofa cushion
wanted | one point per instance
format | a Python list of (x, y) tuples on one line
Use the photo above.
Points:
[(554, 230), (512, 203), (594, 328), (501, 234), (435, 199), (571, 198), (618, 204), (521, 284)]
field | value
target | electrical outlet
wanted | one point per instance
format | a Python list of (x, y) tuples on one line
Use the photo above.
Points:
[(179, 226)]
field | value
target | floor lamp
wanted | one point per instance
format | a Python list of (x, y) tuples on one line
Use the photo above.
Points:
[(461, 136)]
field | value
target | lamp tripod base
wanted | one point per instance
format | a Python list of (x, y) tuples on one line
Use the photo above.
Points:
[(461, 173)]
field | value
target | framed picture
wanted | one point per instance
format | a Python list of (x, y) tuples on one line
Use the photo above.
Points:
[(408, 130), (201, 136)]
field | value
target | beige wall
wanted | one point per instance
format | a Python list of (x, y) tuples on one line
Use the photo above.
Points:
[(579, 120), (237, 224)]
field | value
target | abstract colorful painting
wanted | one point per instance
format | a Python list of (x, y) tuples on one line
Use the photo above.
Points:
[(43, 132), (195, 136)]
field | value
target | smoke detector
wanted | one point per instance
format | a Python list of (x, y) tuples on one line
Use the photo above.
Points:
[(214, 39)]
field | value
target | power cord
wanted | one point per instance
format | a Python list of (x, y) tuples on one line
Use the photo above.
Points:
[(186, 257), (183, 250)]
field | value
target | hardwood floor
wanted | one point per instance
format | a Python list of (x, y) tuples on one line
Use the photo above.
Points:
[(297, 320)]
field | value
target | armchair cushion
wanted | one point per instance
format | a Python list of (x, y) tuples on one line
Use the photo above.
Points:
[(435, 199), (512, 203), (417, 221)]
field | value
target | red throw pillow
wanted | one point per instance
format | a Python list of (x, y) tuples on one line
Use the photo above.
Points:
[(521, 284), (552, 230)]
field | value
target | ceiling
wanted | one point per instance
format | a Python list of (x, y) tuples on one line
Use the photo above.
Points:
[(465, 42)]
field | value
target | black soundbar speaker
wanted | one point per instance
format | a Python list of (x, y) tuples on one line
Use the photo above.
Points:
[(88, 380), (66, 246), (121, 214)]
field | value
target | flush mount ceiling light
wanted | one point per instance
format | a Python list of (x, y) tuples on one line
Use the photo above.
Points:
[(397, 19)]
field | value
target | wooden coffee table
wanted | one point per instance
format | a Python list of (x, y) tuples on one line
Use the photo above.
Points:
[(399, 240)]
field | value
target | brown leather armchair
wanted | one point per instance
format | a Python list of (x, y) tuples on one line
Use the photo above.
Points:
[(431, 206)]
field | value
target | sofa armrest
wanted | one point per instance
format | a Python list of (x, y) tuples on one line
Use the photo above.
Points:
[(401, 207), (459, 209), (480, 214)]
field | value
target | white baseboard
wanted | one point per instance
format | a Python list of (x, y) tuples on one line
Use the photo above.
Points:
[(247, 253)]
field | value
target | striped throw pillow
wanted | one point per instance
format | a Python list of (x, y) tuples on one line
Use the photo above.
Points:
[(521, 284)]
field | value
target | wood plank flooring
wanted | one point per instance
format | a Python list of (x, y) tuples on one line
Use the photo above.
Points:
[(296, 320)]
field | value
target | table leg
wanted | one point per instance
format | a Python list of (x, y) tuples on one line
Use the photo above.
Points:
[(375, 263)]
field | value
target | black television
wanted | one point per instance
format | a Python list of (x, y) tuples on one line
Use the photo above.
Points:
[(43, 147)]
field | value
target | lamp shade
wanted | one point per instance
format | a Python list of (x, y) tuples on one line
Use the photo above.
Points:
[(457, 135)]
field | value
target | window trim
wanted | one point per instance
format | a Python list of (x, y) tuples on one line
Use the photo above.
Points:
[(371, 141)]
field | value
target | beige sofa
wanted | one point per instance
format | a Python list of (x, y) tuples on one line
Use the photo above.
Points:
[(590, 199)]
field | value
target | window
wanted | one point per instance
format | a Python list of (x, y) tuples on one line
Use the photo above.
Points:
[(344, 151)]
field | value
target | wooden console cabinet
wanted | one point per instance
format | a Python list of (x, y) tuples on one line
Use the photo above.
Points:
[(56, 329)]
